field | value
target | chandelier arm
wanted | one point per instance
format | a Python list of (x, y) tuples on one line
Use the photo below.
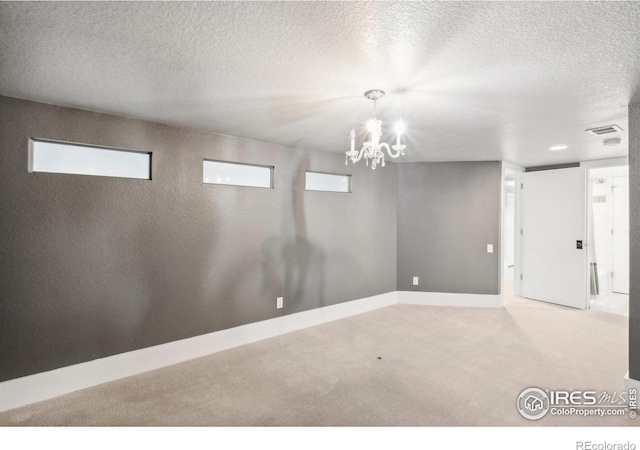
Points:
[(391, 154), (399, 150), (355, 159)]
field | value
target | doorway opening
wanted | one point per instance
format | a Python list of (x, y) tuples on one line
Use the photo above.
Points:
[(609, 233), (509, 238)]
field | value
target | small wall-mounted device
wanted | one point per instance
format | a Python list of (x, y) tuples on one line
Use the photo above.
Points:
[(415, 281), (279, 302), (489, 248), (579, 245)]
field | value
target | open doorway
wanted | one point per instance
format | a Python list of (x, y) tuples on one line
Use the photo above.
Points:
[(609, 232), (509, 235)]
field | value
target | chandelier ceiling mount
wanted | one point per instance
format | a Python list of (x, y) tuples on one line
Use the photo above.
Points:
[(374, 94)]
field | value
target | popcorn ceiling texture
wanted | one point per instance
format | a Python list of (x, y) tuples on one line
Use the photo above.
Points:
[(473, 80)]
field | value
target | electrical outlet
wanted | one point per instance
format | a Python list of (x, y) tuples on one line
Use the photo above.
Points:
[(415, 281), (279, 302), (489, 248)]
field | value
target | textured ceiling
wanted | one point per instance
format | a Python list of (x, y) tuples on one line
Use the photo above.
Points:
[(472, 80)]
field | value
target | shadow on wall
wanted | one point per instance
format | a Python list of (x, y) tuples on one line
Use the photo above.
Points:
[(292, 266), (115, 278), (285, 264)]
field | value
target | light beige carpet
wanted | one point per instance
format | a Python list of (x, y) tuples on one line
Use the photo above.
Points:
[(400, 365)]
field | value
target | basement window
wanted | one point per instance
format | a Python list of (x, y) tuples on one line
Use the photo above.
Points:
[(237, 174), (328, 182), (82, 159)]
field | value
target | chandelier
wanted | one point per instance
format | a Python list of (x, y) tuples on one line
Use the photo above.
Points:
[(372, 149)]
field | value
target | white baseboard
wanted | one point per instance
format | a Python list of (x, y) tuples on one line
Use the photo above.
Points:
[(42, 386), (45, 385), (630, 383), (449, 299)]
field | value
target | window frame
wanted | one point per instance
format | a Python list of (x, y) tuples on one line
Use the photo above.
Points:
[(33, 141), (348, 175), (238, 163)]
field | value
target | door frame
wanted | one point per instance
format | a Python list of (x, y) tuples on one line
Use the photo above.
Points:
[(588, 165), (517, 242), (518, 171), (618, 238)]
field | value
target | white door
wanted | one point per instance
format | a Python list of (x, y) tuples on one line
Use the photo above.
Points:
[(621, 234), (554, 263)]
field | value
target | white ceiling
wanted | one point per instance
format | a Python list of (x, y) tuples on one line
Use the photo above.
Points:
[(472, 80)]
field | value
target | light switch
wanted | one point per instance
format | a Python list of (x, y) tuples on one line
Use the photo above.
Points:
[(489, 248)]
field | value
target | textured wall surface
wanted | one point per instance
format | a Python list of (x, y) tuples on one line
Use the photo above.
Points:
[(94, 266), (634, 241), (447, 214)]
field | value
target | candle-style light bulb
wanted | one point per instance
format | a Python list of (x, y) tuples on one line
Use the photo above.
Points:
[(353, 140), (399, 127), (371, 126)]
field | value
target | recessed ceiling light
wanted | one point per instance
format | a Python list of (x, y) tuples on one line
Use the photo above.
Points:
[(558, 147), (612, 141)]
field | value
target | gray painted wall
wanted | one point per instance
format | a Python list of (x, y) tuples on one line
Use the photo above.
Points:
[(634, 240), (92, 266), (447, 214)]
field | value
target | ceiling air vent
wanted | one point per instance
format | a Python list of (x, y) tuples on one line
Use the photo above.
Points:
[(604, 130)]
